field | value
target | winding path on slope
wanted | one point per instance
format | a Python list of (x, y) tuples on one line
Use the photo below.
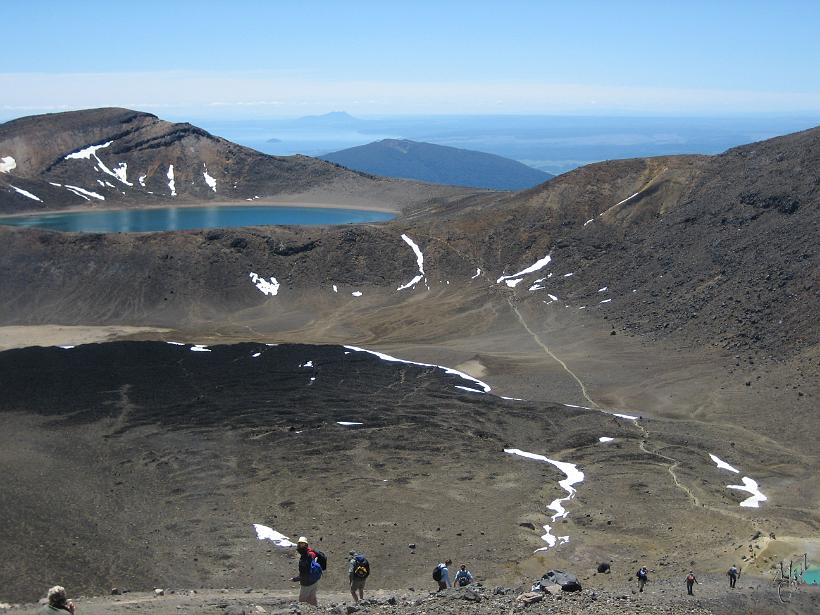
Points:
[(670, 463)]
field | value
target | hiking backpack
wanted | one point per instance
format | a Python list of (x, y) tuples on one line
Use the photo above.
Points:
[(690, 578), (437, 573), (361, 567), (315, 571), (641, 574), (319, 556)]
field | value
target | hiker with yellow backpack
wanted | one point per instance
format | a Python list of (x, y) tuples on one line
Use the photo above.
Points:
[(358, 570)]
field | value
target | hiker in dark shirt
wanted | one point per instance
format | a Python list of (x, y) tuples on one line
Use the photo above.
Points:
[(643, 577), (57, 602), (733, 573), (690, 582), (308, 585)]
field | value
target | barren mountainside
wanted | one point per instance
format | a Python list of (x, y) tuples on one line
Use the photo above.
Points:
[(116, 157)]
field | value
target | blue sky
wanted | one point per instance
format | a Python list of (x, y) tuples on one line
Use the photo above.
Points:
[(269, 59)]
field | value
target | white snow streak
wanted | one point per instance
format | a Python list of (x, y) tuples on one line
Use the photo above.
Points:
[(567, 275), (605, 439), (750, 486), (553, 297), (265, 287), (606, 301), (256, 354), (141, 180), (208, 179), (573, 476), (26, 193), (263, 532), (603, 290), (477, 273), (419, 261), (589, 221), (121, 173), (335, 289), (356, 293), (722, 465), (308, 364), (84, 193), (200, 348), (85, 154), (170, 176), (447, 370), (539, 264), (348, 423), (7, 163)]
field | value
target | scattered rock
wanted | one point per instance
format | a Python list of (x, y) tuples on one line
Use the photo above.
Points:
[(568, 582), (530, 598), (159, 591), (115, 591), (603, 567)]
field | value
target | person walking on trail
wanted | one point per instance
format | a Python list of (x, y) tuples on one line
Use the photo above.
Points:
[(734, 574), (643, 577), (690, 583), (463, 577), (358, 569), (311, 565), (57, 602), (441, 574)]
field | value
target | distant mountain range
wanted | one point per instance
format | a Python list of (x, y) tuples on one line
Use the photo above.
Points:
[(405, 159)]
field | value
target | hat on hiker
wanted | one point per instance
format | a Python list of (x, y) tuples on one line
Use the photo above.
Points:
[(56, 595), (302, 540), (352, 553)]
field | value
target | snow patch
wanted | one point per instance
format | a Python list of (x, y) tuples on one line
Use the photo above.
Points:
[(605, 439), (553, 297), (141, 180), (348, 423), (589, 221), (66, 347), (603, 290), (419, 262), (265, 287), (308, 364), (539, 264), (750, 486), (606, 301), (200, 348), (477, 273), (722, 465), (356, 293), (335, 289), (448, 370), (256, 354), (7, 163), (568, 275), (573, 477), (84, 193), (121, 173), (263, 532), (208, 179), (26, 193), (170, 176), (86, 153)]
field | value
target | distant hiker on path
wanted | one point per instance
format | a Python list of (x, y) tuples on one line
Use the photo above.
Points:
[(463, 577), (311, 565), (734, 574), (441, 574), (57, 602), (643, 577), (690, 582), (358, 570)]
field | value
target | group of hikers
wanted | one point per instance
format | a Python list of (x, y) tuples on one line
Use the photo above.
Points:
[(691, 580), (312, 563)]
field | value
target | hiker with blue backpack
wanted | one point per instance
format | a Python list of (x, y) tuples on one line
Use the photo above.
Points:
[(441, 574), (312, 563), (358, 570)]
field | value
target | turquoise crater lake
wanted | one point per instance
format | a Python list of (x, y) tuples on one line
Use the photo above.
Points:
[(186, 218)]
